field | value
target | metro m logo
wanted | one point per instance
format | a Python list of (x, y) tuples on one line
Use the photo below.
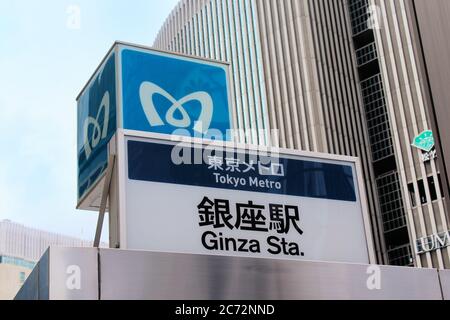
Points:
[(99, 132), (174, 95), (201, 125), (96, 124)]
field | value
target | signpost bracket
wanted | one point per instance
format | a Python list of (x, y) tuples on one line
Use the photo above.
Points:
[(104, 199)]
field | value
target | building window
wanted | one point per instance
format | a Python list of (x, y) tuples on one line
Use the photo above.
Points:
[(377, 118), (391, 202), (17, 262), (22, 277), (412, 194), (366, 54), (401, 256), (433, 190), (359, 15), (422, 194)]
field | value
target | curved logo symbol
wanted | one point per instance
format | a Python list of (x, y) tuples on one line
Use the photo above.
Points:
[(148, 90), (98, 132)]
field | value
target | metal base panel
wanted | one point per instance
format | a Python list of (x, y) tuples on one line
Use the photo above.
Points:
[(75, 273)]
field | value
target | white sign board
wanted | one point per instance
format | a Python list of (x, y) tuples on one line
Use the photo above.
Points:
[(204, 199)]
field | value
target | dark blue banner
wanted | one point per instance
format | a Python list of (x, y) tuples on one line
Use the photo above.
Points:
[(96, 125), (154, 162)]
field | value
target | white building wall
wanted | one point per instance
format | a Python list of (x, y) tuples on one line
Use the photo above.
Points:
[(18, 241)]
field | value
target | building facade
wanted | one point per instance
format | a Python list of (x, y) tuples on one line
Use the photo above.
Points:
[(342, 77), (20, 249), (394, 90)]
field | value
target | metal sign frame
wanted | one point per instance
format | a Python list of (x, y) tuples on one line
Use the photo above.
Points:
[(118, 218)]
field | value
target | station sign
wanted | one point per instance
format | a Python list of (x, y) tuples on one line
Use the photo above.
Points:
[(198, 197), (142, 89)]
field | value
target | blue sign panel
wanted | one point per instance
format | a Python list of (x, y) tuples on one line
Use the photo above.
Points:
[(96, 126), (246, 172), (163, 93)]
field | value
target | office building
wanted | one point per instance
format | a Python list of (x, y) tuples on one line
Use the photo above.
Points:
[(352, 77), (20, 249)]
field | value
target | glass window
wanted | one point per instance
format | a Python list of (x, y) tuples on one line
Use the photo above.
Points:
[(391, 202), (423, 196), (366, 54), (18, 262), (440, 185), (412, 194), (359, 15), (377, 118), (22, 277), (401, 256), (432, 186)]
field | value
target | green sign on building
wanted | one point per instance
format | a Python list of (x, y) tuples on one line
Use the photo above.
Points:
[(424, 141)]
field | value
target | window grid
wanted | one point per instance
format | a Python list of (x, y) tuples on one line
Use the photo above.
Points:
[(366, 54), (391, 203), (359, 15), (401, 256), (17, 262), (377, 118)]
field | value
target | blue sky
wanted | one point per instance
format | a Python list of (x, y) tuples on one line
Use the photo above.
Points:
[(44, 63)]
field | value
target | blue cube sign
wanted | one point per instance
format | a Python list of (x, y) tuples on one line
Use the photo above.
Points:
[(96, 125), (150, 91), (163, 94)]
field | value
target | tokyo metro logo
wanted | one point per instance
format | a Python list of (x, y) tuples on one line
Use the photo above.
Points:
[(99, 127), (201, 125)]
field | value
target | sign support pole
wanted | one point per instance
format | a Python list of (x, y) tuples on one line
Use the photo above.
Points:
[(105, 195)]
